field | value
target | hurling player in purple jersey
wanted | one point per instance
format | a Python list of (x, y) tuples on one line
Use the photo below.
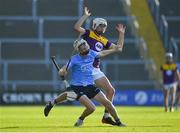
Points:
[(170, 75), (98, 42)]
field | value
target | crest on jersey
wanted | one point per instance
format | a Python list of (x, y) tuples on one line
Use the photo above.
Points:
[(99, 46), (169, 72)]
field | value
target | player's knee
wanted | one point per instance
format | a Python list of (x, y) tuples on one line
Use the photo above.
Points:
[(110, 91)]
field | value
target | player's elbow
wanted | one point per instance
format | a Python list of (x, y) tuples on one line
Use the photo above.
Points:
[(76, 28), (120, 49)]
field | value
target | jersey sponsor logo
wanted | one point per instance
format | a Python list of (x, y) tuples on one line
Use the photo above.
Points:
[(169, 72), (99, 46)]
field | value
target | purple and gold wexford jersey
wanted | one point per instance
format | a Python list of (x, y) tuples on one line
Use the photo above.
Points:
[(96, 43), (168, 71)]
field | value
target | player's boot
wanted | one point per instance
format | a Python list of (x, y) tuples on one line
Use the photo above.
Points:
[(47, 108), (166, 109), (120, 124), (108, 120), (79, 123), (171, 109)]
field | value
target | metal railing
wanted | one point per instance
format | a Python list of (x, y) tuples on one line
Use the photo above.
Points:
[(174, 48), (162, 24), (54, 81)]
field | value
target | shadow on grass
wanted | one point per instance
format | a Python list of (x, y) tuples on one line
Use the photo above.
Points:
[(99, 126), (46, 127), (9, 127), (151, 126)]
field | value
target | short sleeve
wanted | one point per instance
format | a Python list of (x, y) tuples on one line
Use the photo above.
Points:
[(95, 54), (86, 34), (108, 44)]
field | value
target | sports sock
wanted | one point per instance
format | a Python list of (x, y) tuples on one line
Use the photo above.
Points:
[(81, 118), (53, 102), (106, 115)]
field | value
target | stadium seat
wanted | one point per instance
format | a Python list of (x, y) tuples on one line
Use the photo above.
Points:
[(1, 71), (16, 7), (117, 10), (112, 32), (18, 29), (57, 8), (170, 7), (174, 29), (59, 29), (129, 72), (61, 50), (35, 72), (130, 51), (22, 51)]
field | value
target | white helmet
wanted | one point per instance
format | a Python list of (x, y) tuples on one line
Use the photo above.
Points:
[(97, 22), (169, 56), (77, 43)]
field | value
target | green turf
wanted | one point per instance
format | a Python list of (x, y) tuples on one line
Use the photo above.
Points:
[(62, 118)]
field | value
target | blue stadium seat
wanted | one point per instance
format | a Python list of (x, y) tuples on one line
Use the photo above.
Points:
[(15, 7), (18, 29), (22, 51)]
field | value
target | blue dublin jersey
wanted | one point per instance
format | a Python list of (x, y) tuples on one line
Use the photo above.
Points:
[(81, 68)]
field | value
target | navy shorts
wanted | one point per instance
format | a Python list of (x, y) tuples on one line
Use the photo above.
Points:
[(90, 91)]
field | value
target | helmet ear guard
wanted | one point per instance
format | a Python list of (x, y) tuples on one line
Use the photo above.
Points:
[(97, 22)]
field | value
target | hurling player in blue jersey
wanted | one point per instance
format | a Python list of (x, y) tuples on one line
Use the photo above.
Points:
[(82, 83), (98, 42)]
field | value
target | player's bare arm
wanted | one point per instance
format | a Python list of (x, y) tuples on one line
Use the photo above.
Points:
[(80, 22), (177, 74), (110, 51), (121, 29)]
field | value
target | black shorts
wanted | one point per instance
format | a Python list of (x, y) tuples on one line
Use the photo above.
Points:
[(90, 91)]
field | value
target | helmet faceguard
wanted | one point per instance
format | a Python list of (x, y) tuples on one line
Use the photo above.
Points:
[(78, 43)]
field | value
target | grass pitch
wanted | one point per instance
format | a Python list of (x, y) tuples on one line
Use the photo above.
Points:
[(62, 119)]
